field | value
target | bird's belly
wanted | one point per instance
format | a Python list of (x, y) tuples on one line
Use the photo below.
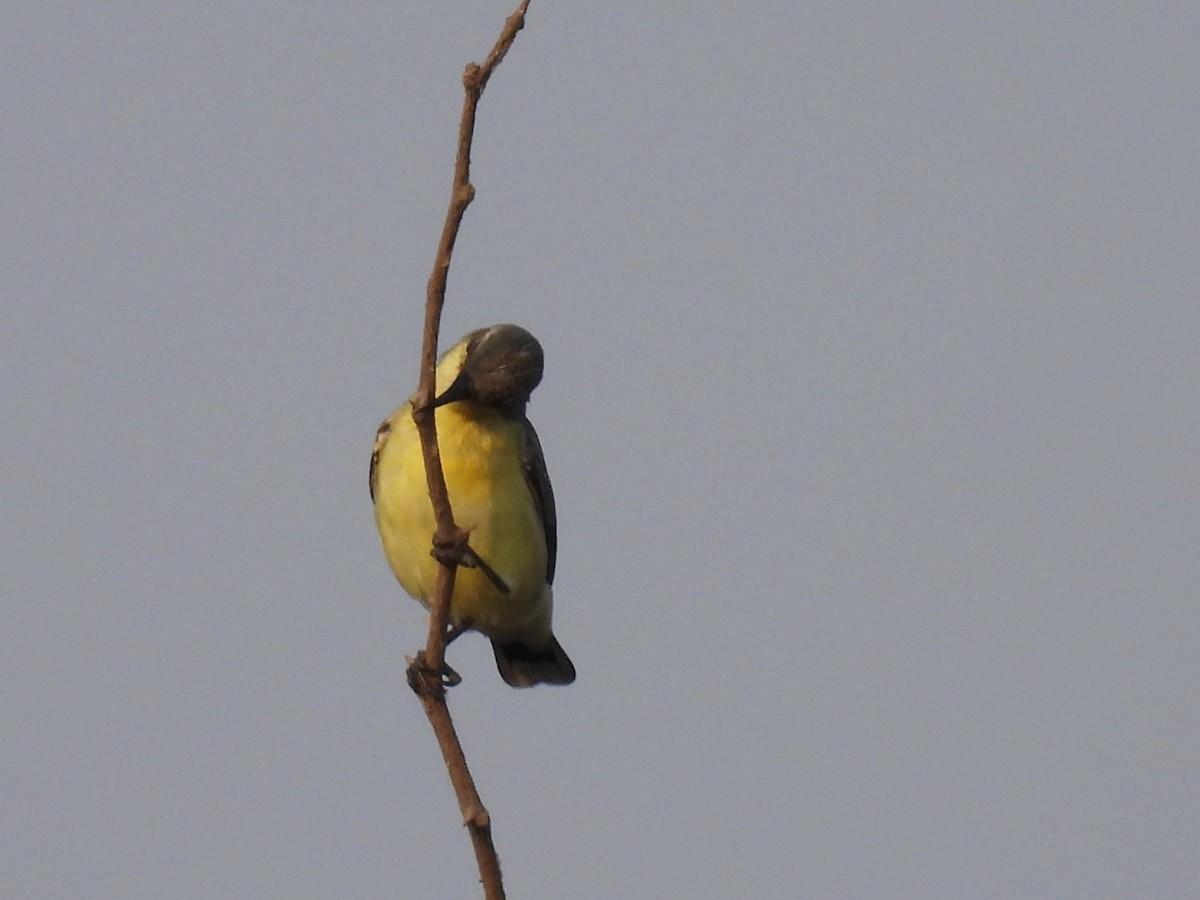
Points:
[(492, 502)]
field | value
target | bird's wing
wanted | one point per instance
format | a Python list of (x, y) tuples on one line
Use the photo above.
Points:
[(381, 438), (538, 479)]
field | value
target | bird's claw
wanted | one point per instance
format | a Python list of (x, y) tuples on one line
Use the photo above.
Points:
[(454, 550), (427, 681)]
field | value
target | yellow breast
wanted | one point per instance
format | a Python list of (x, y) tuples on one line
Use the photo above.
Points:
[(481, 457)]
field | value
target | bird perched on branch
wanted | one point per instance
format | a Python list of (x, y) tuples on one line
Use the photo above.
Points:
[(499, 492)]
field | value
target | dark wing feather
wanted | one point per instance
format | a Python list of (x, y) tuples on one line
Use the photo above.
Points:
[(381, 437), (538, 480)]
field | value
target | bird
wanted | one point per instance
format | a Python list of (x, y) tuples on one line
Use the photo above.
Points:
[(500, 494)]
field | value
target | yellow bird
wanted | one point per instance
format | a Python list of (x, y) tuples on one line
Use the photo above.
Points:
[(499, 491)]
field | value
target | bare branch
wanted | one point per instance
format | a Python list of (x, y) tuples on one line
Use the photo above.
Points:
[(427, 672)]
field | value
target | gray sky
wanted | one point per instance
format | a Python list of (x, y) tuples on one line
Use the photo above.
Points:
[(871, 407)]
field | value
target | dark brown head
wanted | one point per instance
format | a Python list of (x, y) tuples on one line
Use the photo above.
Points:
[(500, 368)]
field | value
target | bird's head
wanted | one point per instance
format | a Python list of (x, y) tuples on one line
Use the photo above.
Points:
[(500, 367)]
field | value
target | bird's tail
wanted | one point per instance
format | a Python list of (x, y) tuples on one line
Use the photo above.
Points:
[(522, 667)]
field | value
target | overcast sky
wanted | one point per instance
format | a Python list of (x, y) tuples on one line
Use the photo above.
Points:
[(872, 405)]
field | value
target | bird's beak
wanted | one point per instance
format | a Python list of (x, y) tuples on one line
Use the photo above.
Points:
[(461, 389)]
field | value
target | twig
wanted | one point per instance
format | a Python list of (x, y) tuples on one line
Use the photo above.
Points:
[(426, 672)]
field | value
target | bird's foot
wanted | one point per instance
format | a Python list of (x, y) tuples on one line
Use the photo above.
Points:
[(454, 550), (454, 631), (427, 681)]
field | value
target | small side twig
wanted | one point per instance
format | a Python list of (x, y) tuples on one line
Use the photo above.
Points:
[(426, 672)]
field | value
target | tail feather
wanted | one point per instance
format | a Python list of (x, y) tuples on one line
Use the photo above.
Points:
[(522, 667)]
